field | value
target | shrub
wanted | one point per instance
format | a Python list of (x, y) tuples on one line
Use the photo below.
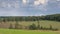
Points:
[(32, 27), (11, 27)]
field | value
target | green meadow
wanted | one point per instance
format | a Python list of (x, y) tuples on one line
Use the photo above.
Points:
[(43, 23), (13, 31)]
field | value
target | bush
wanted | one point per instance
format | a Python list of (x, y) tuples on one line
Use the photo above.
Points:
[(11, 27), (16, 25), (32, 27), (50, 27), (41, 27), (55, 29)]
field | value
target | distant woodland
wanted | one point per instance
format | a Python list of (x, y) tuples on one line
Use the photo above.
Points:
[(54, 17)]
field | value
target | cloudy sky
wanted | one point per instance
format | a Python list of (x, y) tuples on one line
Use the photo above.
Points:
[(29, 7)]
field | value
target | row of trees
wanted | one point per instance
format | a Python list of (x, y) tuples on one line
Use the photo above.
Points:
[(55, 17)]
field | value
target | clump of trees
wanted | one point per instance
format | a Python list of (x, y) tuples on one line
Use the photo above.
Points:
[(55, 17), (32, 27)]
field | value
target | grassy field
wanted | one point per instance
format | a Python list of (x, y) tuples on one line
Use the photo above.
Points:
[(12, 31), (43, 23)]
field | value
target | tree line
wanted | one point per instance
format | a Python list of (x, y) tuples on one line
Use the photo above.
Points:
[(55, 17)]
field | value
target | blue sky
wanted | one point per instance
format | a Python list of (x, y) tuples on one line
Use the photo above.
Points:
[(29, 7)]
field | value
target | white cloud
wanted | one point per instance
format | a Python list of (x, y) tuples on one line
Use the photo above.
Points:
[(41, 5), (24, 1), (13, 4), (38, 2)]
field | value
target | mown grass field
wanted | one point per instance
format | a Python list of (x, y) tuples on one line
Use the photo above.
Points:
[(12, 31)]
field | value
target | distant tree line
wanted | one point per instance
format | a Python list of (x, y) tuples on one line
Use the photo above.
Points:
[(55, 17)]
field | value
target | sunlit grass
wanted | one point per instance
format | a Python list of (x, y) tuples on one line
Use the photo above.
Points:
[(13, 31)]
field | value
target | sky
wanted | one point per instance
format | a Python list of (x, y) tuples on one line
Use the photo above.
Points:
[(29, 7)]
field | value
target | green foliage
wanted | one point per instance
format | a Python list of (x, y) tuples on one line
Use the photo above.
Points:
[(55, 17), (32, 27), (41, 27)]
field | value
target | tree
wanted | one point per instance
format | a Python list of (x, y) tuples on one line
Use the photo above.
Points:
[(41, 27), (11, 27), (16, 25), (4, 20), (38, 25), (50, 27), (32, 27)]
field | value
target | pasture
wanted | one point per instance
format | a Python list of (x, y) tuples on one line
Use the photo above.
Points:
[(43, 23), (13, 31)]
